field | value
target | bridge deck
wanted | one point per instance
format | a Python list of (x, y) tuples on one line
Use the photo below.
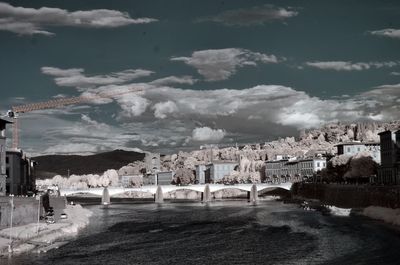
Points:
[(169, 188)]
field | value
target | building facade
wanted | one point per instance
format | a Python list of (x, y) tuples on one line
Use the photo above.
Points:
[(353, 148), (201, 174), (217, 170), (389, 171), (3, 173), (153, 162), (20, 172), (165, 178), (294, 167)]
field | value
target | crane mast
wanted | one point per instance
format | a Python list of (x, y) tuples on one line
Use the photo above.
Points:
[(55, 103)]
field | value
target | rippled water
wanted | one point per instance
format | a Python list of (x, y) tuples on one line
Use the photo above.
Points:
[(230, 232)]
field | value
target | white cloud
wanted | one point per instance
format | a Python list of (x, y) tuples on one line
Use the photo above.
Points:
[(162, 109), (390, 33), (206, 134), (29, 21), (220, 64), (133, 105), (183, 80), (395, 73), (350, 66), (252, 16), (74, 77)]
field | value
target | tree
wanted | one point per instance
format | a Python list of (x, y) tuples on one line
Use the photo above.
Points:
[(183, 176), (361, 167)]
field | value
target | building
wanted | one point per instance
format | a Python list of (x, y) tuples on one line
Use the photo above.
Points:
[(200, 174), (165, 178), (294, 167), (389, 171), (3, 173), (152, 161), (217, 170), (20, 172), (353, 148)]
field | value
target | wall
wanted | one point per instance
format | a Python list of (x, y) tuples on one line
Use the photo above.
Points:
[(348, 196), (25, 211)]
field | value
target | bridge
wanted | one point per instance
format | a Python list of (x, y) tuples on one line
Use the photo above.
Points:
[(158, 191)]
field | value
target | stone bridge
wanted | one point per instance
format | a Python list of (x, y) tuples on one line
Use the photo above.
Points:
[(158, 191)]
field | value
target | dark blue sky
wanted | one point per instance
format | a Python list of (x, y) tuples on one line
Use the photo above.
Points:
[(327, 57)]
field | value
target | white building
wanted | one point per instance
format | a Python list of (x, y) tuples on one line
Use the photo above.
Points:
[(217, 170), (294, 168), (152, 161), (354, 148)]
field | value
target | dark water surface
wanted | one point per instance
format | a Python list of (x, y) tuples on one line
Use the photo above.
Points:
[(229, 232)]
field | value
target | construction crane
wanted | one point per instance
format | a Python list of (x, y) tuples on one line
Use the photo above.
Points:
[(55, 103)]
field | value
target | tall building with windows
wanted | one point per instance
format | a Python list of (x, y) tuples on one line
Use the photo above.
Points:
[(3, 170), (153, 162), (389, 171)]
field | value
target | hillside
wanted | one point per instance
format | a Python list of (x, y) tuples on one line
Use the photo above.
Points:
[(51, 165)]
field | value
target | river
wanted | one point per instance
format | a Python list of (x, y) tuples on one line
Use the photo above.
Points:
[(224, 232)]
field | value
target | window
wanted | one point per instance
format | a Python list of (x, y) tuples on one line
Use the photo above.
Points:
[(358, 149), (348, 149), (318, 165)]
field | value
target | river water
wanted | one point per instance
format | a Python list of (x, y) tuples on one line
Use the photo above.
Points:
[(226, 232)]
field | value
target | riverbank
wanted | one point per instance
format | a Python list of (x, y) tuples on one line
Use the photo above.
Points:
[(348, 196), (38, 237)]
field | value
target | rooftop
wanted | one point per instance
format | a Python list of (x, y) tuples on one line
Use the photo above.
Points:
[(359, 143)]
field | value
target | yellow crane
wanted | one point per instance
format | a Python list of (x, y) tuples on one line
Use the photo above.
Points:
[(55, 103)]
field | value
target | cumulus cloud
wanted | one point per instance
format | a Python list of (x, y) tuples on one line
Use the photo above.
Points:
[(390, 33), (133, 105), (162, 109), (350, 66), (206, 134), (220, 64), (75, 77), (29, 21), (252, 16)]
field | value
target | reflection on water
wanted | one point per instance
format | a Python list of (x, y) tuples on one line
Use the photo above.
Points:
[(229, 232)]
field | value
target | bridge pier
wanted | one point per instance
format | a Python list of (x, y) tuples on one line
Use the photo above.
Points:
[(158, 196), (252, 195), (105, 199), (206, 195)]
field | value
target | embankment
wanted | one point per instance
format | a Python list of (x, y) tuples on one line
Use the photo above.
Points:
[(348, 196)]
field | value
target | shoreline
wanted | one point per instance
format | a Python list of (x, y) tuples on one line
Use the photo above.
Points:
[(43, 237)]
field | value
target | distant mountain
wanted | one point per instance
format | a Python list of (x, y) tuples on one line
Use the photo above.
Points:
[(51, 165)]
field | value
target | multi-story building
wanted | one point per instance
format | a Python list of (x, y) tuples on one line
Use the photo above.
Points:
[(294, 167), (152, 161), (200, 174), (20, 172), (353, 148), (389, 171), (217, 170), (3, 173), (165, 177)]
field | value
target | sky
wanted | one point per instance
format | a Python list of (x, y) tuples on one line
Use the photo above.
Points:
[(170, 75)]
